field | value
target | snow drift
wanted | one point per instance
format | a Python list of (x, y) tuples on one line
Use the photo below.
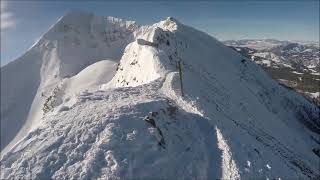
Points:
[(100, 98)]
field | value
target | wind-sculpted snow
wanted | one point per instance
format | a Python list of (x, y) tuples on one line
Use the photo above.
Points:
[(131, 121), (107, 135)]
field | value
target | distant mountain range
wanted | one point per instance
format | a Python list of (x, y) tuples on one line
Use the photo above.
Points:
[(260, 44), (294, 64)]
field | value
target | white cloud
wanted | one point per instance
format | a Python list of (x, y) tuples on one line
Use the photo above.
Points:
[(7, 18)]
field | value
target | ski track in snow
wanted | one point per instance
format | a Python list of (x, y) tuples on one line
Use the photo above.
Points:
[(229, 168), (171, 92)]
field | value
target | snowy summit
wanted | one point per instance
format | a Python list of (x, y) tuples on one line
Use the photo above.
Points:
[(101, 98)]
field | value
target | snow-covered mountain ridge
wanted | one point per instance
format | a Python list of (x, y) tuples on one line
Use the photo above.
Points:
[(114, 110)]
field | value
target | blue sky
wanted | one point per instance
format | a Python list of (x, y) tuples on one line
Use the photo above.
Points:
[(22, 22)]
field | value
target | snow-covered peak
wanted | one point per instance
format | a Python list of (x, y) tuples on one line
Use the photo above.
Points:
[(99, 37), (170, 24), (76, 41), (82, 19)]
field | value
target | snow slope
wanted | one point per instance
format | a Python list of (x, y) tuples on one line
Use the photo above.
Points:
[(77, 40), (234, 121)]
